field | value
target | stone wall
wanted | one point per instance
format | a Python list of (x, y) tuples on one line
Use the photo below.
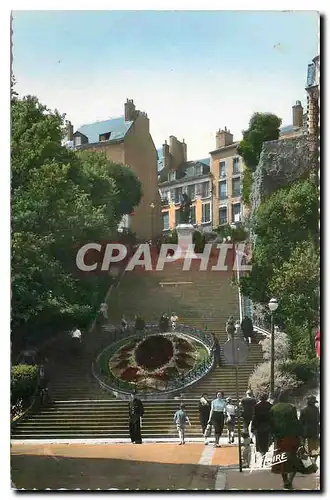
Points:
[(281, 163)]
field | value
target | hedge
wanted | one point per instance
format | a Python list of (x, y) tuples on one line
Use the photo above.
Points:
[(307, 371), (23, 383), (198, 241)]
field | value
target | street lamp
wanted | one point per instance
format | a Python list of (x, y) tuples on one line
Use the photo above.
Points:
[(233, 227), (273, 305)]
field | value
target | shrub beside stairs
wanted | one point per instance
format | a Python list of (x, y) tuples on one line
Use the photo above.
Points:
[(81, 409)]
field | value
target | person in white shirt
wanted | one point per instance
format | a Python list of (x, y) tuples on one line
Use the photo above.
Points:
[(231, 420), (174, 320), (104, 310), (217, 416), (76, 334)]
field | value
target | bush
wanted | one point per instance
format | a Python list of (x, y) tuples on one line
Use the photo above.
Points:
[(23, 383), (199, 241), (307, 371), (259, 381), (281, 346), (171, 238)]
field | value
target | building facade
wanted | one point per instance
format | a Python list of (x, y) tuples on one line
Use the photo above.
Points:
[(227, 169), (127, 140), (178, 176), (313, 96)]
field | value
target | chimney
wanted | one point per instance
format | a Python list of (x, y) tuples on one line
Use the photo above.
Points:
[(69, 130), (166, 155), (224, 138), (130, 113), (184, 146), (297, 115)]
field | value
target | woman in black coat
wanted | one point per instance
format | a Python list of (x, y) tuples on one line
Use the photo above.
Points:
[(261, 425), (204, 408)]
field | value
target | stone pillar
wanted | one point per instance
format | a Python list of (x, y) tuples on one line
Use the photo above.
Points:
[(185, 239)]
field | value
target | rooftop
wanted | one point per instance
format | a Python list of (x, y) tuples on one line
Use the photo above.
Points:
[(117, 127)]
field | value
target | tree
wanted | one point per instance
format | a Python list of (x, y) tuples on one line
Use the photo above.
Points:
[(262, 127), (60, 200), (286, 218), (297, 282), (281, 346), (259, 380)]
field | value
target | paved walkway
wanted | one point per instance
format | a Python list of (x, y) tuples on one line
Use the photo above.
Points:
[(149, 466)]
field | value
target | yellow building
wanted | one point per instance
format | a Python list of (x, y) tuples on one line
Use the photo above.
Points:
[(178, 176), (127, 140), (227, 172)]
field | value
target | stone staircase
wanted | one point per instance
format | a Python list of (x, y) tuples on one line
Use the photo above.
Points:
[(81, 409)]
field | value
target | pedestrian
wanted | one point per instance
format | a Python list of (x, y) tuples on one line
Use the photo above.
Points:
[(246, 451), (123, 324), (164, 323), (310, 424), (248, 405), (204, 408), (261, 425), (231, 411), (104, 310), (247, 329), (173, 320), (217, 416), (136, 412), (216, 351), (181, 420), (77, 339), (238, 330), (287, 433), (230, 328)]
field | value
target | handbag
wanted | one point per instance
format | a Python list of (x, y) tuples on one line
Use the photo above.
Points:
[(208, 430), (305, 464)]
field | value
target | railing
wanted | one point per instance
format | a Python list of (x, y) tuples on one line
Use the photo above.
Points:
[(123, 389)]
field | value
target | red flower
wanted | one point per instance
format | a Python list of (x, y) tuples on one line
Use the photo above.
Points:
[(129, 374)]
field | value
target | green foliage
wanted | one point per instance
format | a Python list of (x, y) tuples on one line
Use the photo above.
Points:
[(259, 380), (171, 238), (60, 201), (198, 241), (23, 382), (307, 371), (262, 127), (285, 219), (247, 187), (236, 234)]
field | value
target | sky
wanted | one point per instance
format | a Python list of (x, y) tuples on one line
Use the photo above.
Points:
[(193, 72)]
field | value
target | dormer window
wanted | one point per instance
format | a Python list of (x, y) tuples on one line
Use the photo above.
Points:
[(104, 137), (171, 175)]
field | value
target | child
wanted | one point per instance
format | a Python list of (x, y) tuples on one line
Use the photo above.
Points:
[(246, 449), (231, 420), (181, 420)]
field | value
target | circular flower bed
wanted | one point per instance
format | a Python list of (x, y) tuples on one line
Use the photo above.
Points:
[(151, 362)]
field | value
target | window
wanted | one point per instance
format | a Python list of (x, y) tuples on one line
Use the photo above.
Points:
[(236, 166), (191, 191), (223, 218), (206, 212), (77, 140), (177, 217), (177, 195), (171, 176), (222, 190), (203, 189), (236, 212), (193, 215), (222, 169), (236, 185), (198, 170), (165, 221), (104, 137)]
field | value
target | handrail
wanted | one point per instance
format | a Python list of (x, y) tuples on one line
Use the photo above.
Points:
[(124, 389)]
